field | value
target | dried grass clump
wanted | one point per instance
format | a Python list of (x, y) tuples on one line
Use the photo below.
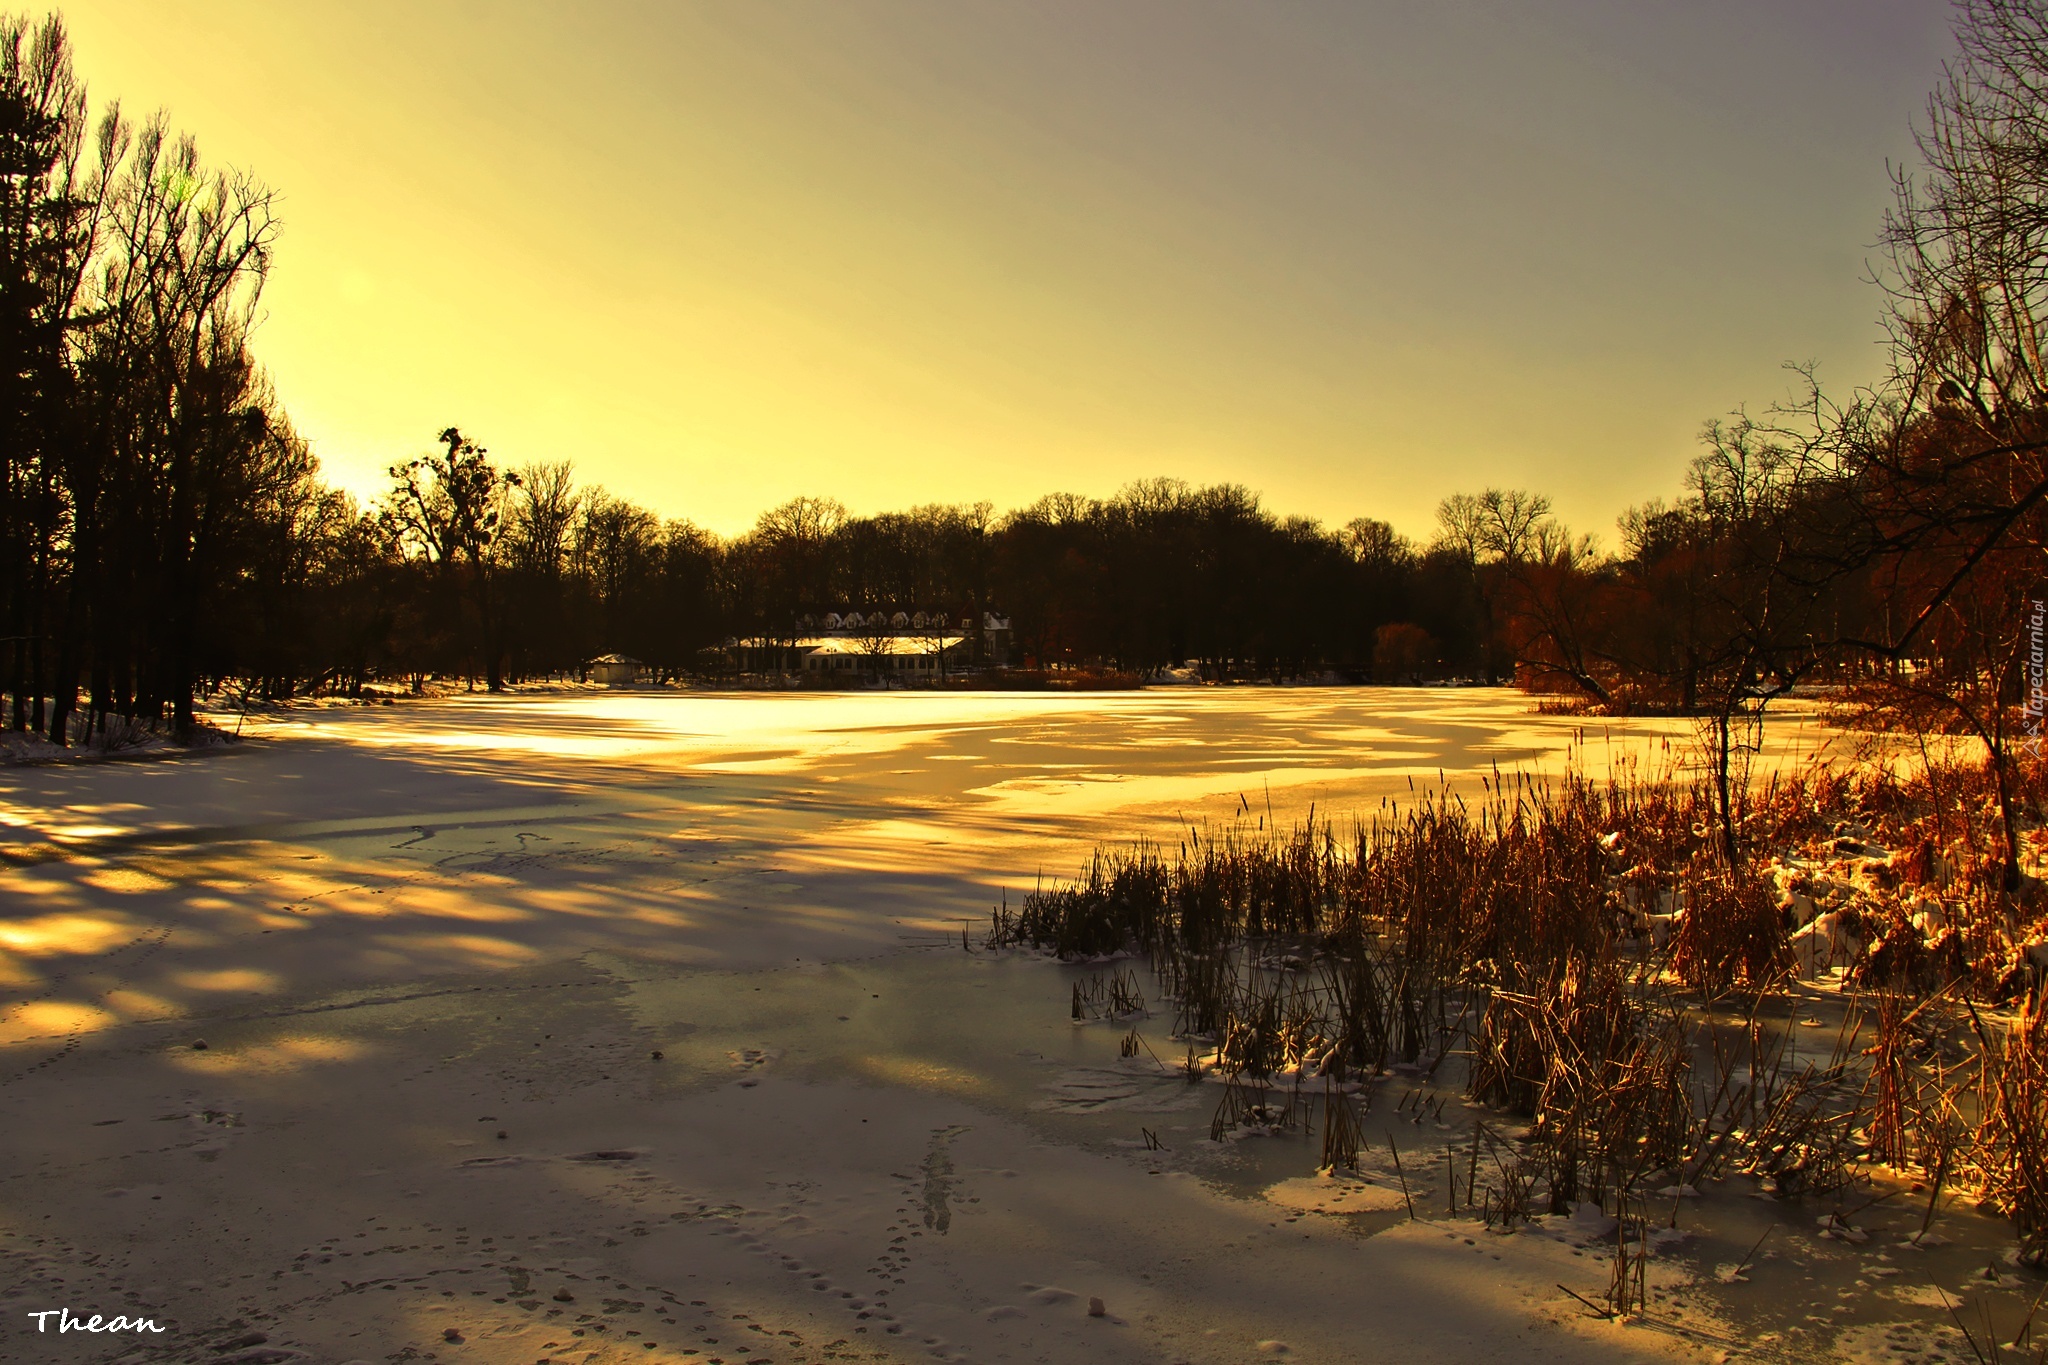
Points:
[(2011, 1148), (1601, 1071), (1733, 933), (1343, 1137), (1574, 946)]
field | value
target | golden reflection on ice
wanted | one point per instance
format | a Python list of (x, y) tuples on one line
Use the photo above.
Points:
[(133, 1004), (124, 880), (917, 1073), (293, 1053), (64, 933), (463, 950), (230, 979), (39, 1020)]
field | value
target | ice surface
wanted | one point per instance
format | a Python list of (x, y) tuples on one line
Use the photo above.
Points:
[(434, 949)]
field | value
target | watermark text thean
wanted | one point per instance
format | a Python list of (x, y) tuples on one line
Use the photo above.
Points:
[(96, 1323)]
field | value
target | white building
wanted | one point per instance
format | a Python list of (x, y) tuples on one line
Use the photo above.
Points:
[(616, 670)]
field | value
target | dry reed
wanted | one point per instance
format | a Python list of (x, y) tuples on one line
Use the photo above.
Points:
[(1577, 946)]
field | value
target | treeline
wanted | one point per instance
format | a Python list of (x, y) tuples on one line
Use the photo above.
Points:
[(466, 569)]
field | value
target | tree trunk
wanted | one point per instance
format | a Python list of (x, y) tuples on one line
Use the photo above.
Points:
[(1723, 743)]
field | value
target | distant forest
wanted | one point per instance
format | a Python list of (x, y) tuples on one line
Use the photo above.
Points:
[(163, 529)]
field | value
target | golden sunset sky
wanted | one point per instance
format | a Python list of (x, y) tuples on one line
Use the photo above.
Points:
[(1355, 255)]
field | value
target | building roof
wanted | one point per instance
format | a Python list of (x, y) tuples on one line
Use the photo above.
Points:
[(616, 659)]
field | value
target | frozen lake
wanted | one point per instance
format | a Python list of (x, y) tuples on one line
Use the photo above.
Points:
[(746, 829), (657, 1002)]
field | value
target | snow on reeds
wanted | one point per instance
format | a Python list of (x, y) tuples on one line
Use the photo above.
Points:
[(1581, 955)]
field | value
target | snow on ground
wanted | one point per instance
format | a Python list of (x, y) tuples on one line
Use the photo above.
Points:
[(637, 1026)]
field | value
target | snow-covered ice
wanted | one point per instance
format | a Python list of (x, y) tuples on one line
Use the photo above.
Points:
[(608, 1027)]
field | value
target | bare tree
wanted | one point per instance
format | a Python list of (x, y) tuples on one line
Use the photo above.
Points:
[(1944, 470), (794, 542), (1512, 521), (1371, 541), (542, 517), (450, 506), (1491, 533)]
